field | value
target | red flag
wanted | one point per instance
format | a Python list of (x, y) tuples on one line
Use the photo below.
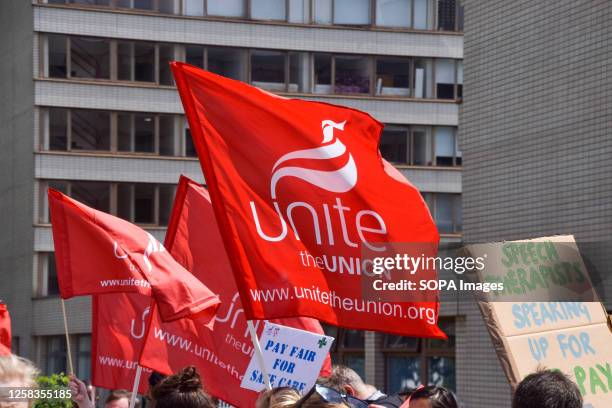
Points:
[(118, 329), (299, 190), (222, 356), (98, 253), (5, 331)]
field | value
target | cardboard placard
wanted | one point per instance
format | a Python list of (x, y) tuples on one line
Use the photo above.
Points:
[(548, 316), (292, 357)]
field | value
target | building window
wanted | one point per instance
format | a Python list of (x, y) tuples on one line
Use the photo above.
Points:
[(445, 79), (446, 211), (299, 11), (268, 70), (299, 71), (47, 284), (89, 130), (354, 12), (323, 11), (89, 58), (83, 356), (226, 8), (423, 76), (57, 56), (190, 150), (55, 354), (459, 79), (422, 15), (392, 76), (352, 74), (140, 203), (268, 9), (394, 13), (394, 145), (228, 62), (349, 348), (411, 361), (322, 73), (446, 147)]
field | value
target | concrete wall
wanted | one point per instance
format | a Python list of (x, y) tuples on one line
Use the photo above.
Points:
[(16, 164), (536, 142)]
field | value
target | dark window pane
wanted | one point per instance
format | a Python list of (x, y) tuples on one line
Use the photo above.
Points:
[(441, 372), (354, 338), (228, 62), (268, 69), (322, 72), (190, 150), (58, 129), (125, 141), (446, 15), (83, 360), (166, 6), (125, 201), (352, 74), (403, 372), (444, 213), (52, 284), (144, 133), (90, 57), (460, 14), (144, 201), (92, 193), (194, 55), (143, 4), (57, 56), (166, 54), (393, 76), (124, 61), (90, 129), (55, 350), (166, 135), (166, 198), (394, 145), (144, 62)]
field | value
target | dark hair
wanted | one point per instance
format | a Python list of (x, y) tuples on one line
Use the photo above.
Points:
[(155, 378), (547, 389), (439, 397), (181, 390), (116, 395)]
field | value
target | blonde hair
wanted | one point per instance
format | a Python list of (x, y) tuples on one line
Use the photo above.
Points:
[(16, 372), (283, 397)]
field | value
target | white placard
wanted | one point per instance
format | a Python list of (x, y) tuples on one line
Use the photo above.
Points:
[(292, 357)]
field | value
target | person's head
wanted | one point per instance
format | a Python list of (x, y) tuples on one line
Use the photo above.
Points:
[(432, 397), (16, 372), (346, 380), (547, 389), (181, 390), (282, 397), (119, 399)]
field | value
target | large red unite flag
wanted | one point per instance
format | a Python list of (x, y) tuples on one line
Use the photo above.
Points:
[(299, 191)]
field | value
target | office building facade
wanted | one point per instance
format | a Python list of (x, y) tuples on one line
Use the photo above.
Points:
[(90, 109)]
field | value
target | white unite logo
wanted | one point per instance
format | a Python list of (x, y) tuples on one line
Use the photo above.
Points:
[(153, 246)]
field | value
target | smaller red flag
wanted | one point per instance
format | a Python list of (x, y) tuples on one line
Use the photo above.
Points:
[(5, 331), (118, 330), (98, 253)]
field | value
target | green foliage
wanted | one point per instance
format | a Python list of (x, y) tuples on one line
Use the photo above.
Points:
[(51, 382)]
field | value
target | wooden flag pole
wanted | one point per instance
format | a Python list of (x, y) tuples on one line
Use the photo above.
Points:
[(135, 387), (259, 353), (69, 350)]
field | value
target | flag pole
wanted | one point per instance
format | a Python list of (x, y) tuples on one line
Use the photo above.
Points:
[(69, 350), (135, 387), (259, 353)]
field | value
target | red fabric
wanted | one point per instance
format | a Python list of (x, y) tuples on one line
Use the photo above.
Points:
[(318, 165), (5, 331), (118, 330), (98, 253), (221, 356)]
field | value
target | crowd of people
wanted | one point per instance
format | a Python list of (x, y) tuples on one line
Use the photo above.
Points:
[(344, 388)]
